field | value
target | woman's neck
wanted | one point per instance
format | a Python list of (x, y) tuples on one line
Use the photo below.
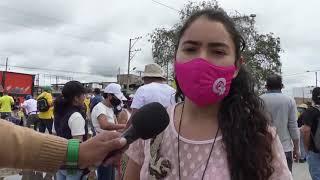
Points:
[(200, 114), (197, 123)]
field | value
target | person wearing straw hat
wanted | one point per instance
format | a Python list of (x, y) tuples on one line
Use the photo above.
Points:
[(154, 89)]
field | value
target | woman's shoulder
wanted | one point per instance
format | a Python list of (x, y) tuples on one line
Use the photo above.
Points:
[(76, 115), (171, 111)]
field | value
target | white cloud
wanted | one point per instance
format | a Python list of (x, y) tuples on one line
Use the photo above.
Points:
[(79, 35)]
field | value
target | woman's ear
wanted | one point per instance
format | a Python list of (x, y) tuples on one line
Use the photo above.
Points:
[(238, 66)]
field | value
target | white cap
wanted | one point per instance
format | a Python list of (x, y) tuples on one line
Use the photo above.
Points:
[(115, 89), (123, 98)]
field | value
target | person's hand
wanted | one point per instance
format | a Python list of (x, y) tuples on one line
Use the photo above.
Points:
[(296, 154), (93, 151), (119, 127)]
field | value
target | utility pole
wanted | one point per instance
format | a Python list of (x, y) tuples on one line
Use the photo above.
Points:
[(316, 73), (303, 95), (7, 64), (4, 76), (132, 42), (316, 79), (129, 59), (140, 72), (118, 76), (38, 79)]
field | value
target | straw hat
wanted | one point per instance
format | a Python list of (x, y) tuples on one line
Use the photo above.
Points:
[(153, 70), (303, 106)]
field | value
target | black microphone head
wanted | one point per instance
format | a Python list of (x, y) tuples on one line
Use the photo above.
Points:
[(150, 120)]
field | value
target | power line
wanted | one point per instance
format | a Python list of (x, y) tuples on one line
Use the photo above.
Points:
[(295, 74), (56, 70), (170, 7), (61, 64), (301, 73)]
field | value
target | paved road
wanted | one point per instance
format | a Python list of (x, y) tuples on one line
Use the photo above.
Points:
[(300, 172)]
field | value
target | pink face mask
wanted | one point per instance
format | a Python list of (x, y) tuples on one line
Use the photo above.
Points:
[(202, 82)]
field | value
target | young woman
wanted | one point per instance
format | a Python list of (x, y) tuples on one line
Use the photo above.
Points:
[(219, 131), (69, 120)]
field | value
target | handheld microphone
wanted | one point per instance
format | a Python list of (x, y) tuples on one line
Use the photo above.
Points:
[(149, 121)]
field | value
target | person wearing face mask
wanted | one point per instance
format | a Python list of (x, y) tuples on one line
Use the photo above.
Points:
[(219, 131), (103, 118)]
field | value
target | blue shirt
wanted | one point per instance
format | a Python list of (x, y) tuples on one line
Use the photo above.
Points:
[(94, 101)]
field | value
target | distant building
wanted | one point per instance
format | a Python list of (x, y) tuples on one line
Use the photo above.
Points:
[(93, 85), (302, 94), (134, 81), (57, 88)]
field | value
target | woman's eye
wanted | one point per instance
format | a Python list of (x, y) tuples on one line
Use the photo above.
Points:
[(190, 49), (219, 52)]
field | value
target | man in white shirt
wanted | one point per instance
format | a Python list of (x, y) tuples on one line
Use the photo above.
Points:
[(154, 90), (30, 107)]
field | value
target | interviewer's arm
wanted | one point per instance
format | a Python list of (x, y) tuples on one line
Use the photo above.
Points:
[(24, 148)]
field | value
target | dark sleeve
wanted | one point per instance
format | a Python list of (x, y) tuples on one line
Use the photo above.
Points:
[(300, 122), (93, 103), (309, 116)]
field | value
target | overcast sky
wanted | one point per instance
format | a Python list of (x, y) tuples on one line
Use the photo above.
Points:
[(93, 36)]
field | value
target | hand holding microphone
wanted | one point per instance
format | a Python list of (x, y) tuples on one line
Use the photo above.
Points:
[(149, 121), (91, 151)]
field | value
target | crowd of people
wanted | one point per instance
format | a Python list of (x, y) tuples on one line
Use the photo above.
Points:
[(219, 127), (80, 113)]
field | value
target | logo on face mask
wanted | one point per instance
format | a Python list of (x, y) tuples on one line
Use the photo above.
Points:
[(219, 86)]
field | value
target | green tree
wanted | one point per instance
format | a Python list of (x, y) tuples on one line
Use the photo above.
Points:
[(261, 54)]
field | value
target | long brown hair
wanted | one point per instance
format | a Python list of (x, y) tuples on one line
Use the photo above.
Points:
[(244, 126)]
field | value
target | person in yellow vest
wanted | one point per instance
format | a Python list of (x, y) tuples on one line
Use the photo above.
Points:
[(6, 103), (87, 101), (45, 108)]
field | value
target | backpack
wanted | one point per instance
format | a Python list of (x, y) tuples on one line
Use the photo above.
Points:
[(42, 105), (316, 135)]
